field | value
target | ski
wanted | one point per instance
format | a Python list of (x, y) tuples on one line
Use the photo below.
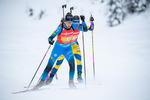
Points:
[(33, 86), (21, 91), (30, 90)]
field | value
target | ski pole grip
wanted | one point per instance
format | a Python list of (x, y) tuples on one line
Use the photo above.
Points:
[(64, 6), (82, 17), (71, 8)]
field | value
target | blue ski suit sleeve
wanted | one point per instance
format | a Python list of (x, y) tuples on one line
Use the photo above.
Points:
[(74, 25), (91, 28), (84, 27), (55, 33)]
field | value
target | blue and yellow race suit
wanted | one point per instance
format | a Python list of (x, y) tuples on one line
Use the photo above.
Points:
[(76, 51), (62, 47)]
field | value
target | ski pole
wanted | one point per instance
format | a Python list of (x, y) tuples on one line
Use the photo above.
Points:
[(71, 8), (93, 50), (38, 67), (83, 53), (64, 6)]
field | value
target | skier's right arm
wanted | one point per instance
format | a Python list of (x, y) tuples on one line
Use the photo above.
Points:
[(54, 34)]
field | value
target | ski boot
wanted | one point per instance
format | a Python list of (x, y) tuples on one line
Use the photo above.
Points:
[(40, 84), (80, 80), (71, 83), (48, 81)]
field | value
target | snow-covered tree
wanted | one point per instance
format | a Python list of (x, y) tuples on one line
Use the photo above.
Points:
[(119, 9)]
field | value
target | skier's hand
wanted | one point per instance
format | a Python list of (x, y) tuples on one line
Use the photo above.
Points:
[(62, 20), (82, 17), (91, 18), (51, 42)]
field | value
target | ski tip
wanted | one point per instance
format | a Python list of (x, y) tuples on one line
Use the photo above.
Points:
[(21, 92)]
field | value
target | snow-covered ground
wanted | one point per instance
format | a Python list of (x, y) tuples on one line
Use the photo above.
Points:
[(122, 53)]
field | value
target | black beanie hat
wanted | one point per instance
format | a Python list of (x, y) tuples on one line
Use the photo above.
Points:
[(68, 17)]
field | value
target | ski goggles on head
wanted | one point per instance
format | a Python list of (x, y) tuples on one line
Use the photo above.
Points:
[(69, 22), (76, 20), (69, 18)]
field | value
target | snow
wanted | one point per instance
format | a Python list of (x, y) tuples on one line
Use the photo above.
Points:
[(122, 53)]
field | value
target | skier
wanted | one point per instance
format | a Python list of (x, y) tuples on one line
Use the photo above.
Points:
[(76, 51), (64, 34)]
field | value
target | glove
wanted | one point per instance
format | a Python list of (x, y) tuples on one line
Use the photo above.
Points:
[(62, 20), (51, 42), (91, 18), (82, 17)]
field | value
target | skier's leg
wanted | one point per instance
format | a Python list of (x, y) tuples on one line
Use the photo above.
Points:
[(70, 58), (50, 64), (55, 68), (54, 55), (45, 73), (72, 67), (77, 53)]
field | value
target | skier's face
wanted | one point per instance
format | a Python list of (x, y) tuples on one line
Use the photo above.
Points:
[(68, 24)]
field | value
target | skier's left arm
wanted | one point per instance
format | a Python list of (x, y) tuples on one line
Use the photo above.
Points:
[(83, 24), (85, 29), (91, 27)]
